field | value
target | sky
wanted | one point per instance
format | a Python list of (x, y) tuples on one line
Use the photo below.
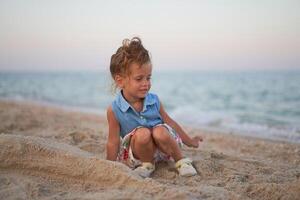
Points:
[(199, 35)]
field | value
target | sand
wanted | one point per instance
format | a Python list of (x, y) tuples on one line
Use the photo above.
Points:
[(54, 153)]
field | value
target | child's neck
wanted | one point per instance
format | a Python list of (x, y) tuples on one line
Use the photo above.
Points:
[(136, 103)]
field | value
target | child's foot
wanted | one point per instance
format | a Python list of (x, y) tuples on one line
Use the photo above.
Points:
[(145, 169), (185, 167)]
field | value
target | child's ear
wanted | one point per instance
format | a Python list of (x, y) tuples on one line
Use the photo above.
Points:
[(119, 81)]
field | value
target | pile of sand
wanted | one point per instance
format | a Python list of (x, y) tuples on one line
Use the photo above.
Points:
[(51, 153)]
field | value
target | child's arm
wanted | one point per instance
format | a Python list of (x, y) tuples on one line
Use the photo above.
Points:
[(191, 142), (113, 142)]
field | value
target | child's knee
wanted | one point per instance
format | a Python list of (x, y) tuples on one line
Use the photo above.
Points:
[(161, 134), (142, 136)]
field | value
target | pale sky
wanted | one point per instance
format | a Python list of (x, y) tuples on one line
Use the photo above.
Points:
[(203, 34)]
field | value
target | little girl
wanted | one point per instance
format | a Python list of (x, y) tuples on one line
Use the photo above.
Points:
[(141, 133)]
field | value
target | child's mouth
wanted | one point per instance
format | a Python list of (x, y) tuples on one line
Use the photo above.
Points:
[(144, 91)]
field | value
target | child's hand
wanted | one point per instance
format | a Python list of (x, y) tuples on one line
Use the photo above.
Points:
[(195, 141)]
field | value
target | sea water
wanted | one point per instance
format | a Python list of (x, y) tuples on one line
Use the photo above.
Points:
[(254, 103)]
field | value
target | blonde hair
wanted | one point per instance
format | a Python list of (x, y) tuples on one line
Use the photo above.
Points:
[(131, 51)]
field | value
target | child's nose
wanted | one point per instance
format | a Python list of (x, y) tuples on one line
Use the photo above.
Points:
[(146, 82)]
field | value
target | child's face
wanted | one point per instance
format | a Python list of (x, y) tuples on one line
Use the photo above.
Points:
[(138, 83)]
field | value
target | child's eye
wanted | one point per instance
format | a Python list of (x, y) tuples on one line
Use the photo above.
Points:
[(149, 78)]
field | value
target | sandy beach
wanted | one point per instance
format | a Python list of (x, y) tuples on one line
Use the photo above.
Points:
[(54, 153)]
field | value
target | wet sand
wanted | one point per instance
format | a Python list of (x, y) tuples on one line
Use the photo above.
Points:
[(53, 153)]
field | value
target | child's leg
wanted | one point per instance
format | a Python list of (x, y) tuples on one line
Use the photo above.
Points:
[(142, 145), (166, 143)]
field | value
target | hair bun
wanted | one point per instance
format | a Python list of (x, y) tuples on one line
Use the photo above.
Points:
[(126, 42)]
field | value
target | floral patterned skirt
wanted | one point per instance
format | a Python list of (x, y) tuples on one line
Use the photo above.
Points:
[(125, 154)]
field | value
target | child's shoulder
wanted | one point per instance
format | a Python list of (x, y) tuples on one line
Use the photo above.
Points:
[(153, 99), (109, 109), (152, 96)]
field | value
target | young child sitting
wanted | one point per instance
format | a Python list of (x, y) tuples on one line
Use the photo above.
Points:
[(141, 133)]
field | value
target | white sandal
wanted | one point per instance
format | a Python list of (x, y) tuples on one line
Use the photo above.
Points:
[(185, 167), (145, 169)]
